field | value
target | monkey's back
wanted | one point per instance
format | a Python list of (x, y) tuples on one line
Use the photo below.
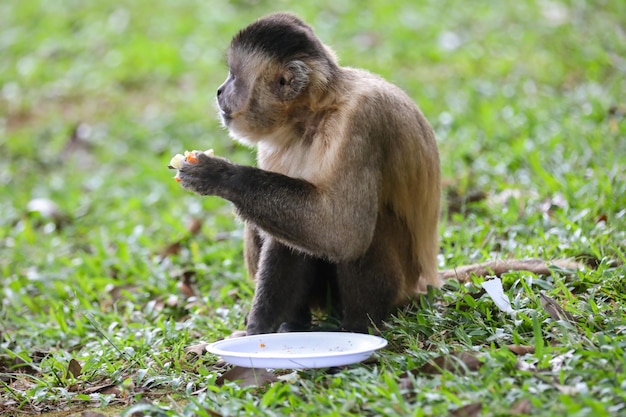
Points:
[(411, 183)]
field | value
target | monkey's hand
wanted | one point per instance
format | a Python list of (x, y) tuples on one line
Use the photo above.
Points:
[(208, 175)]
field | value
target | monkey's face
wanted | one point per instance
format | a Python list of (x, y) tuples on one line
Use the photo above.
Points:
[(258, 94)]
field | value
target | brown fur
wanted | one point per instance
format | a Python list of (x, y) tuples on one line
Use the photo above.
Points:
[(344, 205), (320, 142)]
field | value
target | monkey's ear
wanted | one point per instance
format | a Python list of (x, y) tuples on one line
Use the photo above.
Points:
[(292, 80)]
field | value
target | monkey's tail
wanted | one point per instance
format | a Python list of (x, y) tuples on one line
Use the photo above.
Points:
[(497, 268)]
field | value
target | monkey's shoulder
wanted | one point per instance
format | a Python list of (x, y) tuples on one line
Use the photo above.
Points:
[(367, 92)]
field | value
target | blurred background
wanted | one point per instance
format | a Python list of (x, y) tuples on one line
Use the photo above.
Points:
[(105, 261)]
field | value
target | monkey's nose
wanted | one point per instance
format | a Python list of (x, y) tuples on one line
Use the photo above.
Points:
[(219, 91)]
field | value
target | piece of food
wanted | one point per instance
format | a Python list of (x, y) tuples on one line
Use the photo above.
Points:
[(189, 156), (176, 161)]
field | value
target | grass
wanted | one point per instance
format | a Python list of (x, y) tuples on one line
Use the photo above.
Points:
[(527, 99)]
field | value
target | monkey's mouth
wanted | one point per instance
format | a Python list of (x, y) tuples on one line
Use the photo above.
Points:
[(226, 116)]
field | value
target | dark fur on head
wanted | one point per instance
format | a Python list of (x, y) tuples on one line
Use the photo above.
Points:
[(282, 36)]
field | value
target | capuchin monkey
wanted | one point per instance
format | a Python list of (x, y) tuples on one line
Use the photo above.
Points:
[(342, 211)]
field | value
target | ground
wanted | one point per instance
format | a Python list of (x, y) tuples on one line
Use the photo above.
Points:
[(112, 277)]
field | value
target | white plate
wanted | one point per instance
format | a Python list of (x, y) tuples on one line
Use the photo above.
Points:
[(297, 350)]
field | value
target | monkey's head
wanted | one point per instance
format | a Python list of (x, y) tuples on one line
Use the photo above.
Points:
[(276, 66)]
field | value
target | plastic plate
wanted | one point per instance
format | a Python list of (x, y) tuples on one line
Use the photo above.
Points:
[(297, 350)]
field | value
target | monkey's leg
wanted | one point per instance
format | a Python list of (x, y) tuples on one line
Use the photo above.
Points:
[(283, 285), (368, 289), (370, 286)]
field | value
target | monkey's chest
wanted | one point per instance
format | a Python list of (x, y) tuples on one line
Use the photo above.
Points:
[(297, 162)]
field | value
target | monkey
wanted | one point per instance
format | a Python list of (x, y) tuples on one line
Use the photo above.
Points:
[(343, 206)]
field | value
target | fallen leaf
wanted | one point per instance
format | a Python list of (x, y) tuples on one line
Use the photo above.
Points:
[(80, 134), (171, 301), (555, 310), (194, 226), (521, 350), (213, 413), (199, 349), (406, 383), (111, 390), (237, 333), (551, 205), (91, 414), (558, 361), (496, 292), (469, 410), (522, 406), (525, 366), (98, 388), (47, 210), (171, 249), (74, 368), (457, 203), (185, 283), (247, 377), (457, 362), (119, 292), (602, 218)]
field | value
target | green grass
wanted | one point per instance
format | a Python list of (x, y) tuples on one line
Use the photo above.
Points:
[(528, 103)]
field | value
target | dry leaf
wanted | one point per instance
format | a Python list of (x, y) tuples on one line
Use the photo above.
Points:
[(98, 388), (521, 350), (117, 292), (247, 377), (406, 383), (525, 366), (112, 390), (171, 300), (456, 362), (602, 218), (185, 283), (558, 361), (522, 406), (555, 310), (77, 142), (91, 414), (237, 333), (194, 226), (74, 368), (171, 249), (458, 203), (199, 349), (469, 410)]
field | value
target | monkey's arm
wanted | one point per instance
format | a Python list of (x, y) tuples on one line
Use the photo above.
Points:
[(318, 220)]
